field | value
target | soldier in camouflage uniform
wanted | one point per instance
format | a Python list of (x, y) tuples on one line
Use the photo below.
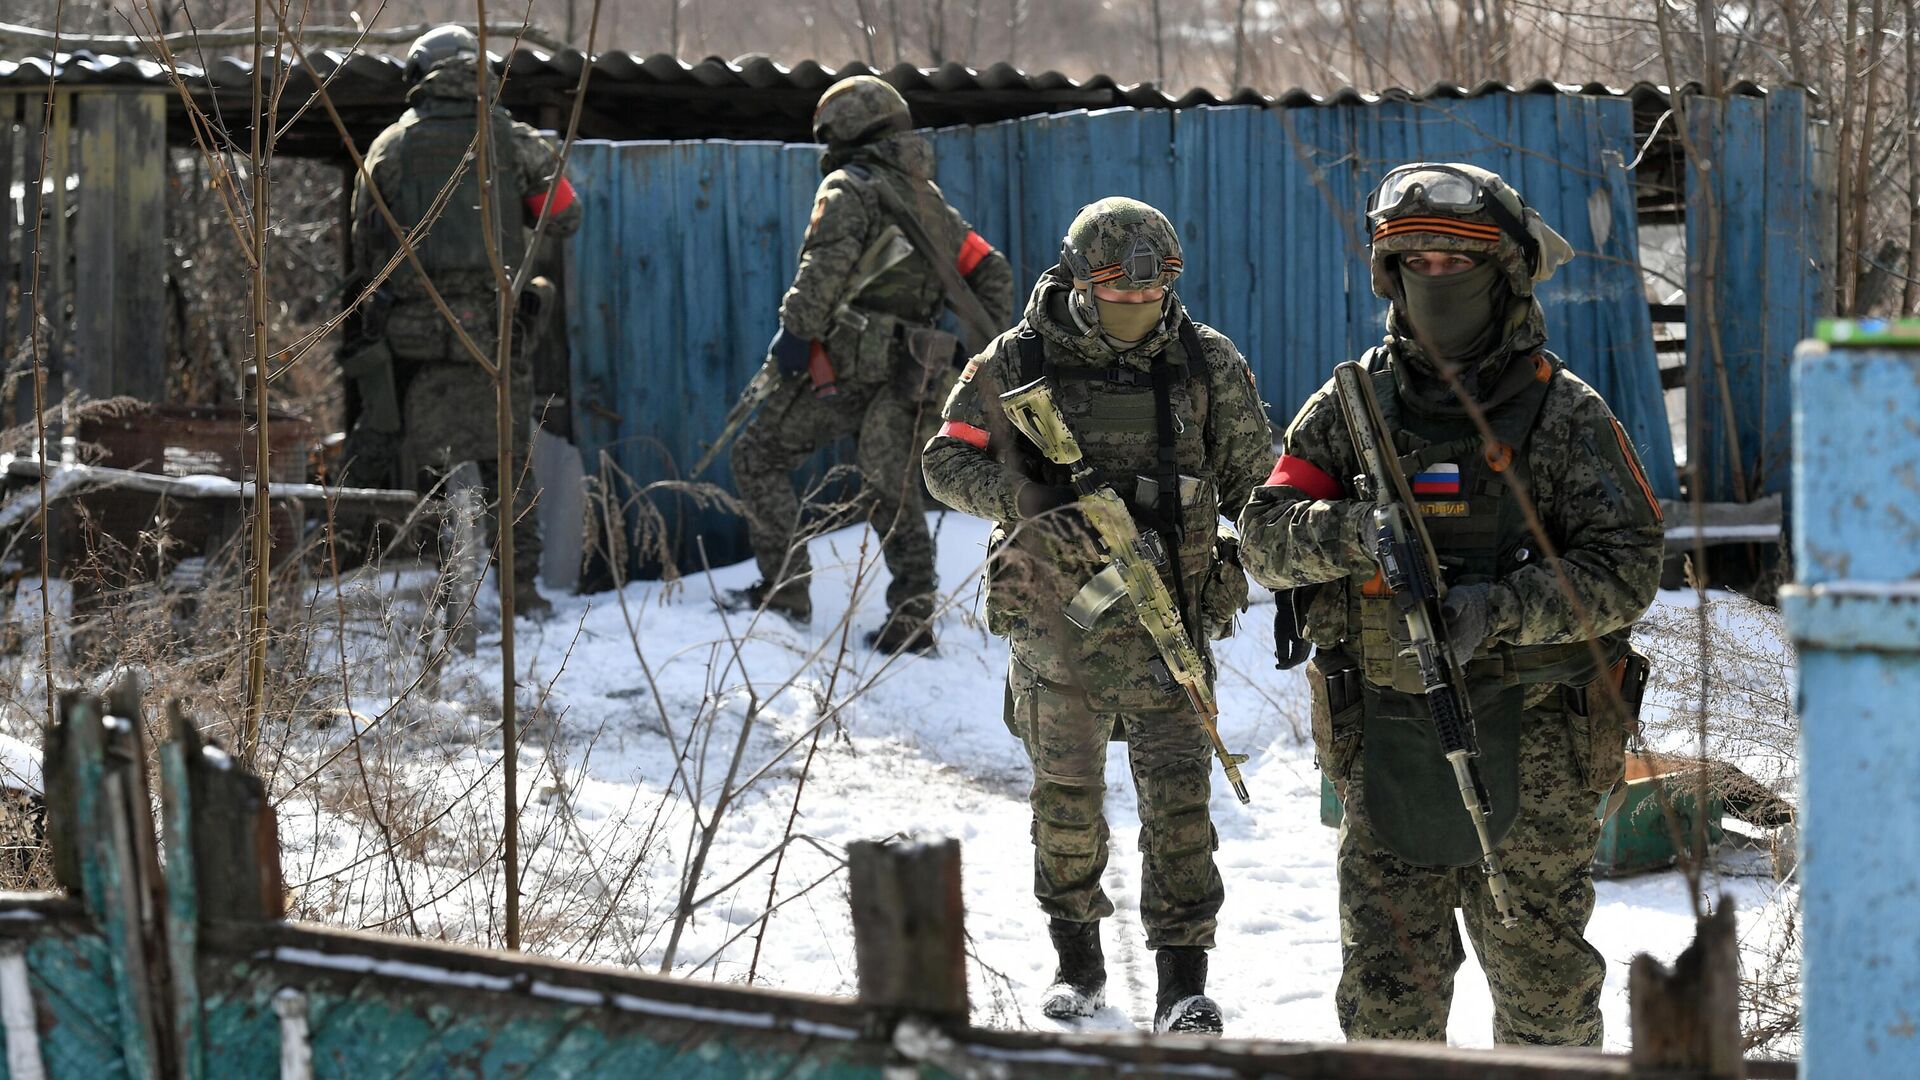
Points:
[(1458, 255), (886, 366), (1157, 402), (438, 403)]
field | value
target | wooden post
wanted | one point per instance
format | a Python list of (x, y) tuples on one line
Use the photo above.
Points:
[(909, 931), (1688, 1018), (119, 240)]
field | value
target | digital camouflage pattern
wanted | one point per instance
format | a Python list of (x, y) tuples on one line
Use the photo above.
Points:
[(859, 110), (888, 399), (1399, 941), (1108, 233), (447, 400), (1067, 688), (1584, 480)]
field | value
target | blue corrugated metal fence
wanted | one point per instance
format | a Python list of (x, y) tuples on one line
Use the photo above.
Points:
[(688, 246)]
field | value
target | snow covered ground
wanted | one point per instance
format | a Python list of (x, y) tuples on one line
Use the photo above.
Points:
[(641, 703)]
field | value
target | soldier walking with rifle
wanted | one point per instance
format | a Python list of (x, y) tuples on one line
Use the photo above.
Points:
[(858, 353), (1464, 531), (1102, 436)]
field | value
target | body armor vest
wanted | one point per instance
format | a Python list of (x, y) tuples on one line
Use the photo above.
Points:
[(1478, 531), (430, 151)]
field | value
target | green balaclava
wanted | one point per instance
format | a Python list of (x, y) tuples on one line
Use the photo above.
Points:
[(1459, 317), (1126, 324)]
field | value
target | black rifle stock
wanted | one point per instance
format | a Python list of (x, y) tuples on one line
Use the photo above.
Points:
[(1411, 571)]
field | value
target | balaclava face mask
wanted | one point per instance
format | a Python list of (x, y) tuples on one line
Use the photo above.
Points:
[(1457, 317), (1127, 324)]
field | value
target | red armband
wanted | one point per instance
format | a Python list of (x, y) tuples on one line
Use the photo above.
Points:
[(561, 195), (1303, 475), (972, 250), (966, 433)]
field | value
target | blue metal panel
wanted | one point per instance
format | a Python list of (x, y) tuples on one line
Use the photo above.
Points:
[(1855, 618), (1794, 283)]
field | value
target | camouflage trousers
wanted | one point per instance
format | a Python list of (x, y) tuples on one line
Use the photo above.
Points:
[(449, 416), (1399, 941), (889, 430), (1066, 738)]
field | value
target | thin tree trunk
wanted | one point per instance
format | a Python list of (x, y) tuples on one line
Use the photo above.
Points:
[(263, 123), (1848, 254), (1910, 302), (1863, 171), (1013, 32), (973, 34), (1796, 42), (1159, 43), (1240, 46), (893, 27)]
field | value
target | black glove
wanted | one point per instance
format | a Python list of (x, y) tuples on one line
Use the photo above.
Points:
[(789, 352), (1468, 611), (1033, 498)]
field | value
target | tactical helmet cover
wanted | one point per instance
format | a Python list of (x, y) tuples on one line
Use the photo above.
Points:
[(1123, 243), (1452, 206), (859, 110), (437, 46)]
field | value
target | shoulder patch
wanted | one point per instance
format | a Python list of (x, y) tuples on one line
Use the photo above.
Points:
[(973, 365), (819, 207)]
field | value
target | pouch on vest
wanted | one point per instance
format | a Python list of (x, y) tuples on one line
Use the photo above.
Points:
[(927, 379), (1333, 684), (1411, 798), (1600, 722), (860, 345)]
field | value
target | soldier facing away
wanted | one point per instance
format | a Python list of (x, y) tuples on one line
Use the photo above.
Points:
[(859, 354), (423, 404), (1164, 410), (1458, 254)]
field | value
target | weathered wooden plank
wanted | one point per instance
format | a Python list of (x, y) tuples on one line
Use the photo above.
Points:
[(1688, 1018), (119, 243), (183, 898), (909, 933)]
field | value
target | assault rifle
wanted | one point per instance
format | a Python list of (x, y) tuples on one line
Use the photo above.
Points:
[(1411, 571), (1135, 555), (886, 252)]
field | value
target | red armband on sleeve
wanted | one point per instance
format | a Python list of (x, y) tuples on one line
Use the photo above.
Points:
[(561, 195), (972, 250), (1303, 475), (966, 433)]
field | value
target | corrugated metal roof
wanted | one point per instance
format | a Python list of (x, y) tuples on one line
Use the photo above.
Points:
[(661, 97)]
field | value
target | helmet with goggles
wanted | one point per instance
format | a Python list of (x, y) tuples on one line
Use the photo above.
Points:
[(1449, 206), (1121, 243)]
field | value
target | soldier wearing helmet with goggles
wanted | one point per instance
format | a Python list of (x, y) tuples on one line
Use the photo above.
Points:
[(1536, 624), (1164, 413)]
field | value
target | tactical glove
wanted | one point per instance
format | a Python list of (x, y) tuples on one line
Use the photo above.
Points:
[(1468, 611), (1033, 498), (789, 352)]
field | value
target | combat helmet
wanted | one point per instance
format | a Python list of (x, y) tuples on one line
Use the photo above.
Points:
[(859, 110), (438, 46), (1120, 242), (1452, 206)]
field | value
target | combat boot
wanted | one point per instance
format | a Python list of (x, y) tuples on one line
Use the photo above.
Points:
[(1080, 980), (790, 601), (901, 634), (1182, 1006)]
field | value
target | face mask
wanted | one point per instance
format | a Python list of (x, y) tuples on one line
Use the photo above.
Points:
[(1129, 322), (1454, 315)]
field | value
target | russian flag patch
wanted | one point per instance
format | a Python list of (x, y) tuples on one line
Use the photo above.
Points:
[(1441, 479)]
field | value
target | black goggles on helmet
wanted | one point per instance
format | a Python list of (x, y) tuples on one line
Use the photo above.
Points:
[(1141, 268), (1434, 186)]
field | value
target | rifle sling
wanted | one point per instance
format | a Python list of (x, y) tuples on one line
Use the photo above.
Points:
[(973, 314)]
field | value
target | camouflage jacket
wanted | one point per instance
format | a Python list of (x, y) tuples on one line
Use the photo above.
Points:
[(1580, 470), (848, 217), (413, 158), (977, 463)]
